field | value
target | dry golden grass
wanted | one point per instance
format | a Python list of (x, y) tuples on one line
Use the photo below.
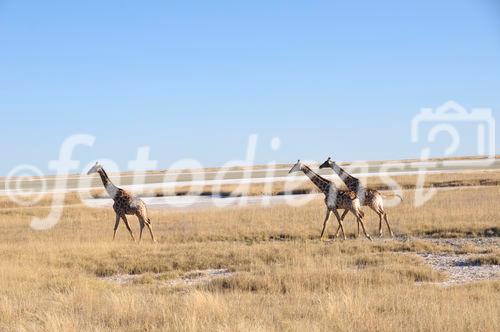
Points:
[(286, 278)]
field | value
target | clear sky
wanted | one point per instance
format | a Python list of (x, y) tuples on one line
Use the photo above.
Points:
[(193, 79)]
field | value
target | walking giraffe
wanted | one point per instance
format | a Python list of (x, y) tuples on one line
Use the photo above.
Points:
[(367, 197), (335, 198), (125, 204)]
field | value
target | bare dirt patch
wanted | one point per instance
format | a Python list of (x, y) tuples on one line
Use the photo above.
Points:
[(460, 242), (203, 277), (461, 266), (190, 279), (122, 279)]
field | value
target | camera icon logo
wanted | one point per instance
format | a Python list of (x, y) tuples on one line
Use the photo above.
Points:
[(454, 119)]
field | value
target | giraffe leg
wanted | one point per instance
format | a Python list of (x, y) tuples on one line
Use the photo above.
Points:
[(358, 228), (140, 233), (360, 220), (380, 233), (387, 223), (116, 225), (341, 218), (379, 210), (340, 223), (141, 224), (128, 227), (328, 213), (150, 227), (146, 222)]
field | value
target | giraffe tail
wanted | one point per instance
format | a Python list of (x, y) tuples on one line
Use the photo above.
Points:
[(362, 214), (392, 195)]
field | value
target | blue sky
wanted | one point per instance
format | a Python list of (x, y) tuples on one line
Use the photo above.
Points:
[(193, 79)]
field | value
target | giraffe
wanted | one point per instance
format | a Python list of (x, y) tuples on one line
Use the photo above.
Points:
[(335, 199), (368, 197), (125, 204)]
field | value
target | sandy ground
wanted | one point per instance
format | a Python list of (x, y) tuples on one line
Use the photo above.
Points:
[(460, 268)]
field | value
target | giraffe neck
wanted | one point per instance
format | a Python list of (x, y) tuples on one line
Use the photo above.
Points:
[(108, 185), (323, 184), (351, 182)]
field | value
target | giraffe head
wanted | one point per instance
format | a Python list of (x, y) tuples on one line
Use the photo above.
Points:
[(329, 163), (296, 168), (95, 169)]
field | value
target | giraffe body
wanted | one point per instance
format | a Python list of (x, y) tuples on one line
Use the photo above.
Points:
[(125, 204), (341, 199)]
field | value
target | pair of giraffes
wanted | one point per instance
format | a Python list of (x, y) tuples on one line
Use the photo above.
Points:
[(336, 199), (349, 200)]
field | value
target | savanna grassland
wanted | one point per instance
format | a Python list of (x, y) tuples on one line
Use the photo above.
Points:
[(282, 277)]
